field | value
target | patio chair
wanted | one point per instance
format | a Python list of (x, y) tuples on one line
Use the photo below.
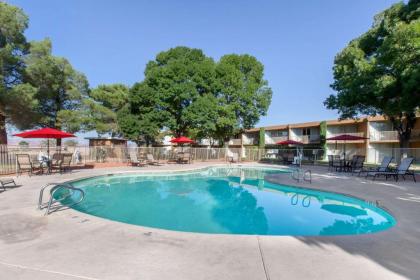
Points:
[(24, 163), (7, 181), (401, 170), (66, 162), (386, 161), (186, 158), (288, 158), (357, 165), (151, 160), (174, 157), (330, 162), (337, 163), (134, 161)]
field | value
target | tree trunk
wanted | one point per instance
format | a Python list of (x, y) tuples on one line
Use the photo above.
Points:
[(404, 123), (404, 138), (3, 132)]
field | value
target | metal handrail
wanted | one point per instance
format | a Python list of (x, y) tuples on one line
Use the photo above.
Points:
[(51, 200)]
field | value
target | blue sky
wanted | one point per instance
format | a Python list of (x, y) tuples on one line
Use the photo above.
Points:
[(111, 41)]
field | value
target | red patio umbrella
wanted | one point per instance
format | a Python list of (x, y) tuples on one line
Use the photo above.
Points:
[(346, 137), (47, 133), (182, 140)]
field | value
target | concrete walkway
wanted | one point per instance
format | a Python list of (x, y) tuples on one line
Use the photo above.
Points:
[(73, 245)]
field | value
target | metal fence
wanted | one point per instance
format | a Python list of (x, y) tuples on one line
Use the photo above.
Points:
[(120, 154)]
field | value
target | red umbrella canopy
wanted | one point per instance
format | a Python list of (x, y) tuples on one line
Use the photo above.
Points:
[(289, 142), (45, 133), (182, 140), (346, 137)]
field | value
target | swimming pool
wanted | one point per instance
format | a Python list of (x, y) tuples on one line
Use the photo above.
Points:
[(228, 200)]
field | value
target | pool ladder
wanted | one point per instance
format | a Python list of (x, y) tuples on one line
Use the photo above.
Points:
[(299, 174), (52, 201)]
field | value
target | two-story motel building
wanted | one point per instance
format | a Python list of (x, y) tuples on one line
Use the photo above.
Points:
[(380, 134)]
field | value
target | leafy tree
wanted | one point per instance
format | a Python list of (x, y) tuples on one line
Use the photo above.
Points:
[(178, 77), (379, 72), (13, 48), (23, 144), (103, 105), (58, 88), (141, 120), (242, 92), (189, 94)]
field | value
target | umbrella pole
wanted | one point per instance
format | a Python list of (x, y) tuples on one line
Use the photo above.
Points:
[(48, 147)]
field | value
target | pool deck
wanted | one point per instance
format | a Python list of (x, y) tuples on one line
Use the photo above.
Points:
[(72, 245)]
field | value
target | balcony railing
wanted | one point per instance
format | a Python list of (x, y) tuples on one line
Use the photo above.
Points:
[(274, 140), (250, 141), (359, 134), (306, 139), (235, 142), (384, 135)]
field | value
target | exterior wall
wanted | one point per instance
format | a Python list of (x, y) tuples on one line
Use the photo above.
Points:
[(382, 139), (107, 142)]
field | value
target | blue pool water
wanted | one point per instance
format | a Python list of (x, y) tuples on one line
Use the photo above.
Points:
[(227, 200)]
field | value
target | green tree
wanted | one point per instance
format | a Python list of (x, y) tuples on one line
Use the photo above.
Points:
[(242, 92), (58, 88), (13, 48), (141, 119), (178, 77), (379, 72), (104, 103), (23, 144)]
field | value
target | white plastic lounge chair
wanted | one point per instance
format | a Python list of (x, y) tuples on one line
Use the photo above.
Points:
[(135, 161), (151, 160)]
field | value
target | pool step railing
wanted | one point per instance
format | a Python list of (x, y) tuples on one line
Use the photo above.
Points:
[(54, 187), (300, 174)]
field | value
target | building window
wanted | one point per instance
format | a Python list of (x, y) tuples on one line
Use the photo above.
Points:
[(306, 131), (278, 133)]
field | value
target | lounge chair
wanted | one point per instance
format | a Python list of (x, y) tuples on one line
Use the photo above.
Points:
[(134, 161), (24, 163), (386, 161), (7, 181), (151, 160), (186, 158), (402, 170)]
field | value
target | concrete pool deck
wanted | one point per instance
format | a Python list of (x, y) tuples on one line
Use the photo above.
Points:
[(72, 245)]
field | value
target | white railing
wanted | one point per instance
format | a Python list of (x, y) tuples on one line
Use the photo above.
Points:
[(358, 134), (383, 135), (250, 141), (235, 142), (306, 139), (273, 140)]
